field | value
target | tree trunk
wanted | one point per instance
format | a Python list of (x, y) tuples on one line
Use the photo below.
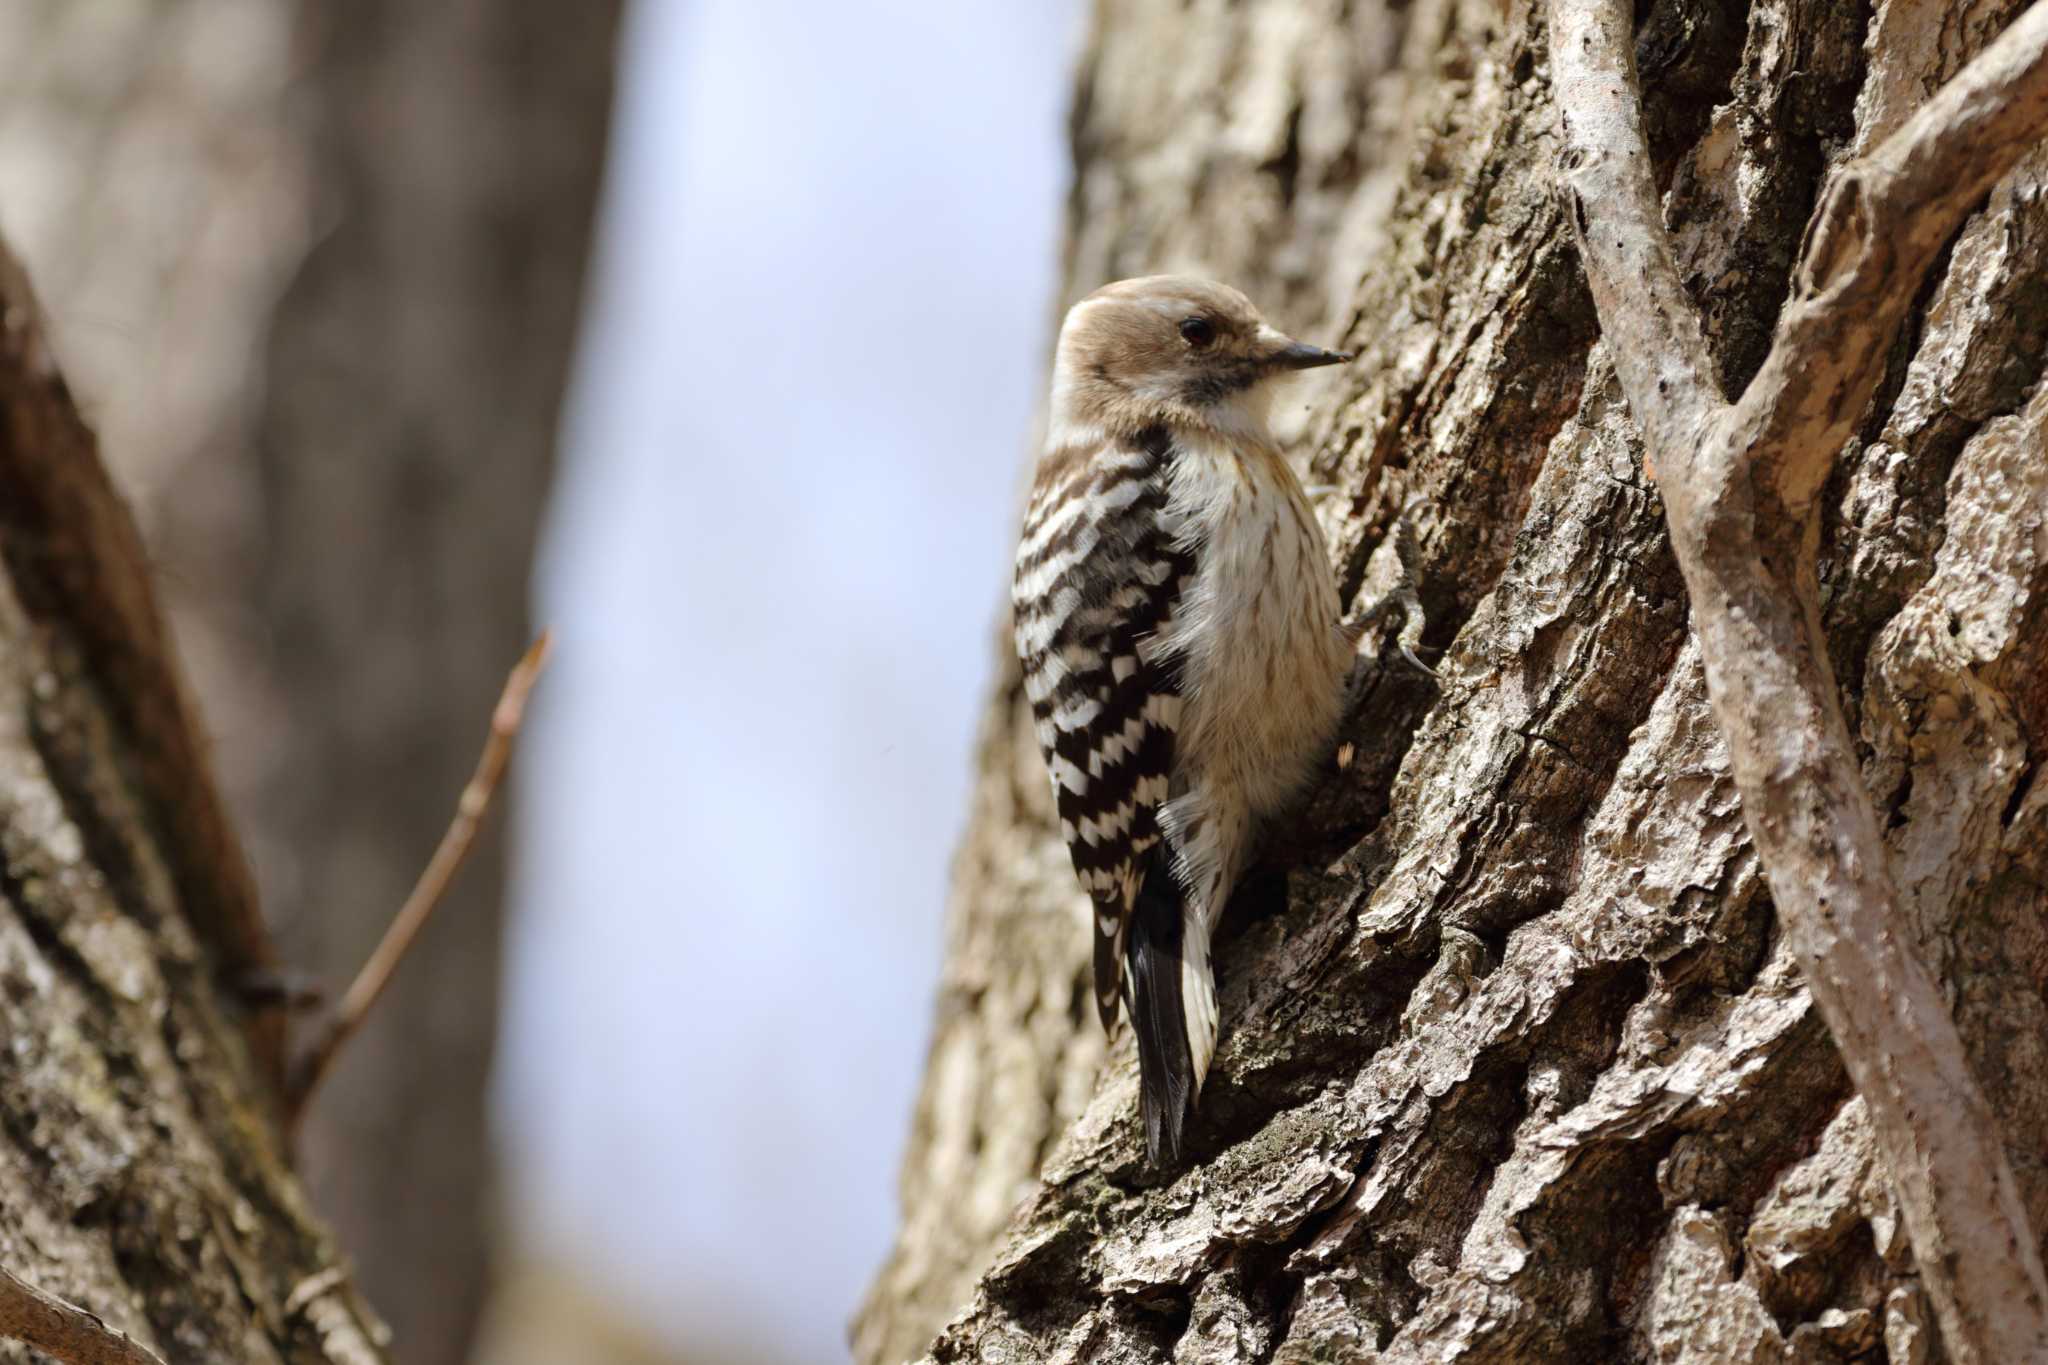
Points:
[(1515, 1065), (417, 366), (140, 1165), (316, 269)]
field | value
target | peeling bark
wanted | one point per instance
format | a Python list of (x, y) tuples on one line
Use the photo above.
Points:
[(1515, 1063), (139, 1163)]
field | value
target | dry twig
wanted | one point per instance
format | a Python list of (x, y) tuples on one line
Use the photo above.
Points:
[(432, 886), (63, 1331), (1740, 483)]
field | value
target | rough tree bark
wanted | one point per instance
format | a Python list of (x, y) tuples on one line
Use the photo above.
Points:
[(1740, 480), (1516, 1063), (140, 1165)]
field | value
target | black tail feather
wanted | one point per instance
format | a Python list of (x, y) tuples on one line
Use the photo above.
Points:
[(1166, 1071)]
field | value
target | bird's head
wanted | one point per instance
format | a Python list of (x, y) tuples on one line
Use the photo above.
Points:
[(1176, 349)]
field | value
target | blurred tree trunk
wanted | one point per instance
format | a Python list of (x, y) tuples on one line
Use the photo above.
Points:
[(1515, 1066), (319, 265), (140, 1166), (417, 366)]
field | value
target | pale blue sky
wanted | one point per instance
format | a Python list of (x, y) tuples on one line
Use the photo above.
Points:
[(804, 401)]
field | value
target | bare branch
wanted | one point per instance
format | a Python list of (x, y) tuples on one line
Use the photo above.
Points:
[(1739, 484), (1651, 325), (1881, 222), (64, 1331), (432, 886)]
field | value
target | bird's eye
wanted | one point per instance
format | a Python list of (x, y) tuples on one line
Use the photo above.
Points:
[(1197, 332)]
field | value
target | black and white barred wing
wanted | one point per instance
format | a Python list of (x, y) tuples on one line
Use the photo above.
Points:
[(1098, 576)]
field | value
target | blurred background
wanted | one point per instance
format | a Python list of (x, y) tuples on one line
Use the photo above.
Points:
[(708, 332)]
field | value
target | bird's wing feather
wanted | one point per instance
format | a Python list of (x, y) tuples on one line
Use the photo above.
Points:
[(1099, 574)]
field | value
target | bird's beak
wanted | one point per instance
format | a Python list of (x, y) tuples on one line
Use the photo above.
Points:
[(1299, 355)]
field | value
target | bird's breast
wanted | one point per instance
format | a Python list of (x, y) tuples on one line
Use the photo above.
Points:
[(1262, 658)]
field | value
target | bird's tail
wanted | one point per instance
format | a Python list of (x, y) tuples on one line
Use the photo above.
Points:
[(1173, 1007)]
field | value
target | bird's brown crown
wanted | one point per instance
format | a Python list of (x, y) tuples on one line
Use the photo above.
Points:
[(1170, 348)]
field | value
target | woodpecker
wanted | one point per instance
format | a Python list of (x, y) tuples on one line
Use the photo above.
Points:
[(1179, 626)]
